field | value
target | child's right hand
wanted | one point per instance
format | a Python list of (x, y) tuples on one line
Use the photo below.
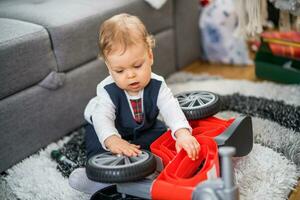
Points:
[(119, 146)]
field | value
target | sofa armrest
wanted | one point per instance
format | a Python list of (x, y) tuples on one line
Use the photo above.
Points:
[(187, 34)]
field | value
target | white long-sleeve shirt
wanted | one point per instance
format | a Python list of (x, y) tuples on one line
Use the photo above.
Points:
[(102, 110)]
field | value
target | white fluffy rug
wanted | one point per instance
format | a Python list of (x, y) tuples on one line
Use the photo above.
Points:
[(263, 174)]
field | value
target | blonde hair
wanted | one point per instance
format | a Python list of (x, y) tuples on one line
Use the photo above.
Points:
[(122, 30)]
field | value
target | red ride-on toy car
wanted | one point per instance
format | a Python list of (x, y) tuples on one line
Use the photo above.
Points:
[(164, 174)]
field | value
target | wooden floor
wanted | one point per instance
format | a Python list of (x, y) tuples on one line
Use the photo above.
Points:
[(232, 72), (227, 71)]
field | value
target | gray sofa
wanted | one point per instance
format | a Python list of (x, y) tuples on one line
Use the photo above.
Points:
[(49, 67)]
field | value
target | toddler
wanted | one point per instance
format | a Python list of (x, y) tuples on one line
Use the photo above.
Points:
[(123, 116)]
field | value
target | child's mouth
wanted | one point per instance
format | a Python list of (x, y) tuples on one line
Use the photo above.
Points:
[(134, 85)]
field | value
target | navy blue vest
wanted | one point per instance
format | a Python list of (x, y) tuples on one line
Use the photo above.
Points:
[(125, 122)]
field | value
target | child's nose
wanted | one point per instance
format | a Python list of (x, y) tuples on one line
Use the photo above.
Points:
[(131, 74)]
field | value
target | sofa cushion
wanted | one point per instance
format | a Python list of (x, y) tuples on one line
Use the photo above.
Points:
[(164, 45), (35, 117), (25, 55), (73, 24)]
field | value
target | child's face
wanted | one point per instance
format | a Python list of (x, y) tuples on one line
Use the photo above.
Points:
[(131, 70)]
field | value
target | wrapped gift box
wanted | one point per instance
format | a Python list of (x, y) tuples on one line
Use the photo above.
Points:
[(278, 57)]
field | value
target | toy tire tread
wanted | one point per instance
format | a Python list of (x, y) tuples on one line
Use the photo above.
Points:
[(206, 111), (124, 174)]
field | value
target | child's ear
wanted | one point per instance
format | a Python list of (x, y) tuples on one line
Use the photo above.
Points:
[(107, 66), (150, 54)]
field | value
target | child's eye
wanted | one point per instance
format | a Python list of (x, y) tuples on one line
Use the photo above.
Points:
[(119, 71), (137, 66)]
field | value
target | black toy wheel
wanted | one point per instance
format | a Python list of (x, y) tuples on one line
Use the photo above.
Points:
[(111, 168), (111, 193), (198, 104)]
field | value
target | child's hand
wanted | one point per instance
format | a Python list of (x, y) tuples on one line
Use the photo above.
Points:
[(119, 146), (188, 142)]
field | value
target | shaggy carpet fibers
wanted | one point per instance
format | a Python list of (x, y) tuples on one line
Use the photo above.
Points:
[(270, 171)]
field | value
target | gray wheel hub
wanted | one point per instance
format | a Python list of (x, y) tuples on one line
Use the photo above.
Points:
[(114, 161), (195, 100)]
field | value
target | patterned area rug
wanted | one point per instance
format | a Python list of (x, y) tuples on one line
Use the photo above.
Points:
[(270, 171)]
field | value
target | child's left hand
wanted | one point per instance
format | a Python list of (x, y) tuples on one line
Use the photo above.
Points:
[(188, 142)]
